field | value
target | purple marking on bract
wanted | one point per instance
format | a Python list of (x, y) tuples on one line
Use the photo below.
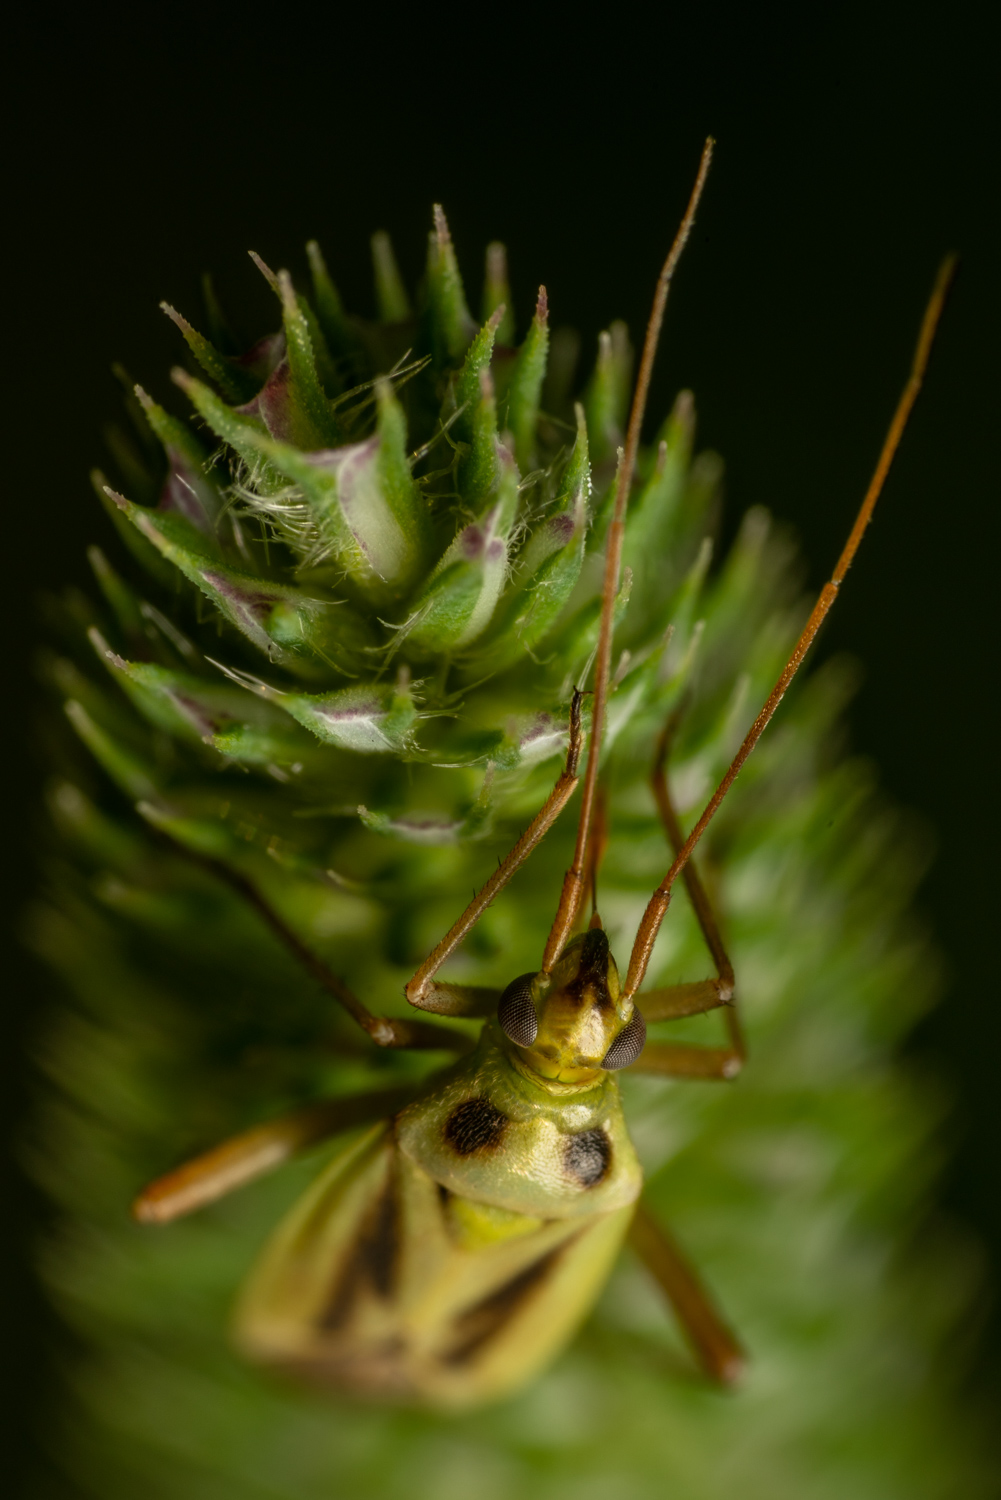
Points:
[(473, 541), (345, 715), (193, 711), (256, 605), (562, 527), (350, 491), (262, 358), (180, 494), (542, 726), (328, 460), (273, 404)]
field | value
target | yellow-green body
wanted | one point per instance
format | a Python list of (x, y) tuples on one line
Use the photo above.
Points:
[(444, 1257)]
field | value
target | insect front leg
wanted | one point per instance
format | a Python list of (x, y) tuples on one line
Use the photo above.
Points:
[(714, 1345), (252, 1153), (385, 1031), (424, 991), (682, 1060)]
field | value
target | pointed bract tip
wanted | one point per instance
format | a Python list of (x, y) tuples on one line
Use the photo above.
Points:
[(441, 227), (175, 316), (119, 500), (122, 375), (286, 290), (496, 318), (542, 306), (619, 333), (684, 408), (183, 380), (145, 401), (264, 269), (317, 264), (580, 417), (102, 648), (497, 260)]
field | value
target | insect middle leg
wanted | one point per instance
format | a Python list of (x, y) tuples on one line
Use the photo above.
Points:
[(446, 999), (684, 1060)]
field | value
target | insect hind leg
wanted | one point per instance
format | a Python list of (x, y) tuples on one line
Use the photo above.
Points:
[(716, 1347)]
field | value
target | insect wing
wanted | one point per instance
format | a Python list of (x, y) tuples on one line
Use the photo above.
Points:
[(384, 1284), (291, 1300)]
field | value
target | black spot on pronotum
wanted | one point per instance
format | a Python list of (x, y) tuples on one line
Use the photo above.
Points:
[(475, 1125), (587, 1156), (627, 1045), (516, 1013)]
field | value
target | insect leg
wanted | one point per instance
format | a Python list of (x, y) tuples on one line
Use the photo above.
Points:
[(684, 1000), (675, 1001), (450, 999), (383, 1030), (687, 1060), (253, 1152), (712, 1342)]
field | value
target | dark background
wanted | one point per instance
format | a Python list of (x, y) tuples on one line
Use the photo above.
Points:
[(856, 145)]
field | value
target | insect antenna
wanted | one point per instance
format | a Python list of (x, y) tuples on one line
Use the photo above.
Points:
[(596, 846), (573, 891), (659, 901)]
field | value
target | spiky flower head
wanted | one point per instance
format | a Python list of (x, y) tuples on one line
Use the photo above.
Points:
[(333, 678)]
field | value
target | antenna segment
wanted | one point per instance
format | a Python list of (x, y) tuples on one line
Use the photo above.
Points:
[(573, 883), (659, 901)]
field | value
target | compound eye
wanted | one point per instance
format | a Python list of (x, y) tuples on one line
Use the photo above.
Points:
[(627, 1045), (516, 1013)]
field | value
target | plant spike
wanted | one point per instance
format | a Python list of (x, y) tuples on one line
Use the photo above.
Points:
[(235, 385), (525, 386), (329, 307), (497, 291), (451, 326), (659, 901), (573, 885), (220, 331), (391, 298)]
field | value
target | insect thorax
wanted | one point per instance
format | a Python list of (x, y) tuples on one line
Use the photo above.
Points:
[(496, 1133)]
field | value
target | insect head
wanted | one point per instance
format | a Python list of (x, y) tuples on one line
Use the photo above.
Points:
[(569, 1025)]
